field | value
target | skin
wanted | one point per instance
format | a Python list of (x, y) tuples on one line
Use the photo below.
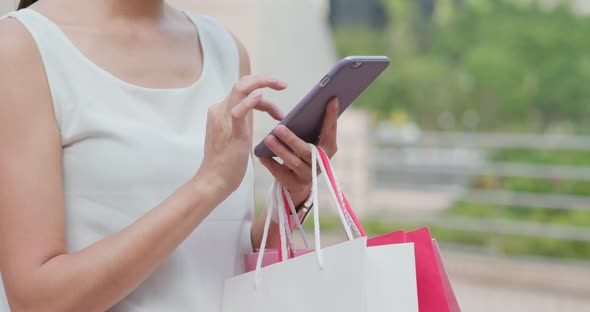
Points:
[(120, 36)]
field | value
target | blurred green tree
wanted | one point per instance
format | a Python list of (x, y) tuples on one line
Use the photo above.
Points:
[(516, 65)]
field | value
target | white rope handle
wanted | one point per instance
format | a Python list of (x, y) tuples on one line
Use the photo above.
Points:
[(275, 201), (274, 197), (296, 217), (269, 209), (338, 191), (335, 198), (316, 214), (282, 222)]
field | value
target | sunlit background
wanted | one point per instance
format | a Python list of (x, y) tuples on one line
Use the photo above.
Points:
[(480, 129)]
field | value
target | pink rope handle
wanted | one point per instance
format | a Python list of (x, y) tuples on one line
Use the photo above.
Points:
[(330, 174), (279, 250), (290, 226)]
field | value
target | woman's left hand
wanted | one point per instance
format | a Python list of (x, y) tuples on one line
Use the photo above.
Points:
[(295, 171)]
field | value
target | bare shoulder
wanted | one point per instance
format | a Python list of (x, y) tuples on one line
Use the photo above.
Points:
[(20, 60), (16, 43), (22, 71), (241, 47)]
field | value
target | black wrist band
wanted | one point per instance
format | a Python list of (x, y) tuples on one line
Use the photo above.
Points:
[(306, 204), (305, 211)]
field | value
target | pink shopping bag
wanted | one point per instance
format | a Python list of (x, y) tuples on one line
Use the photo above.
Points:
[(434, 288), (435, 292), (449, 293)]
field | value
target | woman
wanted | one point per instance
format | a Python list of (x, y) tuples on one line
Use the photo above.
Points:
[(127, 183)]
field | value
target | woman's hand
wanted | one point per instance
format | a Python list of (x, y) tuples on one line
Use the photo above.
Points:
[(227, 140), (295, 171)]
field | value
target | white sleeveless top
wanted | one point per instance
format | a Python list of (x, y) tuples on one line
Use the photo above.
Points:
[(127, 148)]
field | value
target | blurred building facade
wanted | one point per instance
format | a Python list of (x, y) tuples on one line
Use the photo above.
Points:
[(354, 12), (7, 6)]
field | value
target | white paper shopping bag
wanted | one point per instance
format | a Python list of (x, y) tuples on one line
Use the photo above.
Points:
[(300, 284), (331, 279), (346, 277), (391, 279)]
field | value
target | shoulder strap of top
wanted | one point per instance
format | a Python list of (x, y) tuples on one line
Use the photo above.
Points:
[(219, 47)]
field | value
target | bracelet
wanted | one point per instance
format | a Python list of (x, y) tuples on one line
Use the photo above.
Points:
[(304, 208), (305, 205)]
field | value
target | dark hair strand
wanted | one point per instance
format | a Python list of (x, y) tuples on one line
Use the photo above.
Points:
[(25, 3)]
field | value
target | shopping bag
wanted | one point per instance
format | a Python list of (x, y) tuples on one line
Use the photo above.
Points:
[(345, 277), (434, 288), (379, 260), (435, 292), (332, 278), (449, 293)]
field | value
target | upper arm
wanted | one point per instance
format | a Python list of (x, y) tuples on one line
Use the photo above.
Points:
[(32, 222), (245, 66)]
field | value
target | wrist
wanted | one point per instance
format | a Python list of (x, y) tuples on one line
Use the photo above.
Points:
[(301, 197), (210, 185)]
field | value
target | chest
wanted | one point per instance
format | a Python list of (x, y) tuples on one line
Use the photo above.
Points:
[(120, 140), (156, 57)]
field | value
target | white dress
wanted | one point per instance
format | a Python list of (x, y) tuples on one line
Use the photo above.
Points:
[(126, 148)]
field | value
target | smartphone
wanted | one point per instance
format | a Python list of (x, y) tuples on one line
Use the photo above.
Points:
[(347, 80)]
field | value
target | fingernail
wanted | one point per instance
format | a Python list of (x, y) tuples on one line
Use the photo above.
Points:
[(281, 82), (269, 140), (281, 130), (336, 105), (256, 94)]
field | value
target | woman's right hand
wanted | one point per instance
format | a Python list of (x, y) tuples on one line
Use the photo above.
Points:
[(228, 139)]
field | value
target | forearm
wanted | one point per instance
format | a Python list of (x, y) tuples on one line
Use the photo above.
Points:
[(258, 226), (258, 230), (102, 274)]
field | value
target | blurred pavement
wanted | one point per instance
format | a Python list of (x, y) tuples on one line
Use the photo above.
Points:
[(486, 283)]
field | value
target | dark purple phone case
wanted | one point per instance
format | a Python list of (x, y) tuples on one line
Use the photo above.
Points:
[(345, 82)]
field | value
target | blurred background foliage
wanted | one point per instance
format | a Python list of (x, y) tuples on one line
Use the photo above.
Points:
[(490, 66), (498, 65)]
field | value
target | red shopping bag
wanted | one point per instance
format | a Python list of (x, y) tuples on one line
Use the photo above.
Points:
[(449, 293), (398, 237), (435, 292), (434, 288)]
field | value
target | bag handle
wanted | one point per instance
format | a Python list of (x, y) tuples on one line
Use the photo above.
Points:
[(333, 192), (315, 155), (342, 200), (279, 198), (342, 203), (284, 223), (291, 214)]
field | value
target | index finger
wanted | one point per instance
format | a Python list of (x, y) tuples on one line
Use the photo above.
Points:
[(249, 84), (299, 147), (329, 129)]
